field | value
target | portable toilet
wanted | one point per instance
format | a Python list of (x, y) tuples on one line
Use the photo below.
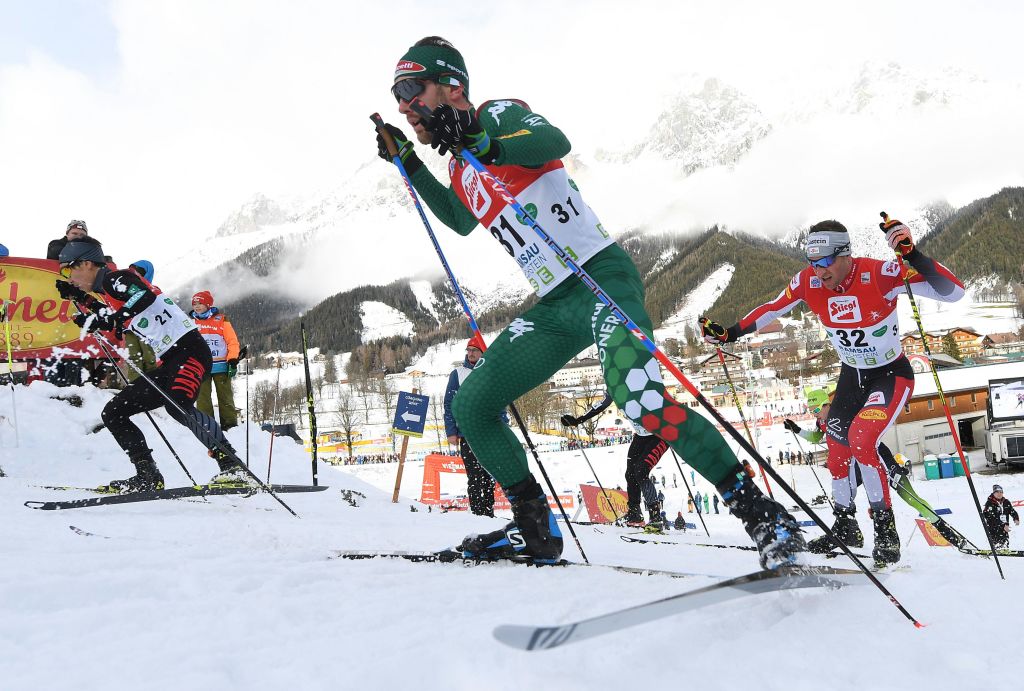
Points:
[(946, 467), (931, 467)]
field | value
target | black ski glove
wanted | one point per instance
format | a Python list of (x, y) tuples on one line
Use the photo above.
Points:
[(452, 127), (406, 152), (791, 426), (69, 291), (713, 332), (569, 421)]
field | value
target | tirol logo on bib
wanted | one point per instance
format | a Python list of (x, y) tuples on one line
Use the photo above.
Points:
[(478, 198), (844, 308)]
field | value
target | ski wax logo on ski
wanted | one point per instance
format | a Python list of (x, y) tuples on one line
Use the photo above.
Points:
[(844, 308), (476, 195), (519, 327)]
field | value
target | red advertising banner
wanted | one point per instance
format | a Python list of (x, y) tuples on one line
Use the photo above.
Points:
[(40, 318), (430, 492), (597, 505), (931, 535)]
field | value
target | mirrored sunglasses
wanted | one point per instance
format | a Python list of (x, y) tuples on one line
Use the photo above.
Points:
[(408, 89)]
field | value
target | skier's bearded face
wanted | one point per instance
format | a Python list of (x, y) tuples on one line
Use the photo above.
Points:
[(433, 95)]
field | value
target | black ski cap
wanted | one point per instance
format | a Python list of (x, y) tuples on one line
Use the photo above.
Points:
[(997, 488), (84, 249)]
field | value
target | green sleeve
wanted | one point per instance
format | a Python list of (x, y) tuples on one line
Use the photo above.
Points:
[(812, 435), (526, 138), (443, 202)]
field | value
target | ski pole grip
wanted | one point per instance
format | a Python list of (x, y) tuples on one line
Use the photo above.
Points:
[(389, 141)]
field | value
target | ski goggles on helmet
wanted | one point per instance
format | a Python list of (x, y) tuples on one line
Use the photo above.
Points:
[(408, 89), (822, 248)]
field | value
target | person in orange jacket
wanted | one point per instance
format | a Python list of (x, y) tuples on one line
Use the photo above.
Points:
[(220, 336)]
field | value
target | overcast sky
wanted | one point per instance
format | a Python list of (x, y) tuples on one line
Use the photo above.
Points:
[(154, 120)]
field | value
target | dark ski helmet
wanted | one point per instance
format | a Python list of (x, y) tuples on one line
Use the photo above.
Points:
[(83, 249)]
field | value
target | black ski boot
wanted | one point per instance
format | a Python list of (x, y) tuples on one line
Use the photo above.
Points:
[(533, 534), (887, 540), (845, 528), (147, 478), (773, 530), (946, 530), (655, 524), (633, 517)]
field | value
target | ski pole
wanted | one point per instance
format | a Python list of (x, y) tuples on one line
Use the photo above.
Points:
[(579, 443), (688, 492), (942, 397), (124, 379), (397, 160), (10, 370), (248, 411), (499, 188), (739, 409), (273, 419), (309, 398), (815, 474), (200, 430)]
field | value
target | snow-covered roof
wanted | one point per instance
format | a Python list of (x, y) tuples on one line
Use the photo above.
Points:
[(964, 378)]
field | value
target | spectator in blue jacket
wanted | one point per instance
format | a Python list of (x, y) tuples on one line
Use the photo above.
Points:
[(481, 484)]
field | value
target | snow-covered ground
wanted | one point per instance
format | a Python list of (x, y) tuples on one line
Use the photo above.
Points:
[(237, 594)]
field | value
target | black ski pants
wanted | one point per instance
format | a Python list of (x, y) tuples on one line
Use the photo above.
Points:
[(481, 484), (179, 375)]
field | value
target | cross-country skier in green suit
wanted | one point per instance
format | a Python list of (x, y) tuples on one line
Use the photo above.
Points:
[(524, 151)]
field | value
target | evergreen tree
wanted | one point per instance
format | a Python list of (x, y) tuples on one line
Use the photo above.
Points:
[(950, 347)]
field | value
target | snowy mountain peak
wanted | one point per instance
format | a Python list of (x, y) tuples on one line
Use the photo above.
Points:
[(256, 213), (713, 126)]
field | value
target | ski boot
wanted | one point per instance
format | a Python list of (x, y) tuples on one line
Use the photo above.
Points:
[(845, 528), (633, 517), (775, 532), (887, 540), (231, 474), (946, 530), (146, 479), (532, 535), (656, 525)]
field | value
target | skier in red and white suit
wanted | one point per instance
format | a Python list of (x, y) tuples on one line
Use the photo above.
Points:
[(855, 299)]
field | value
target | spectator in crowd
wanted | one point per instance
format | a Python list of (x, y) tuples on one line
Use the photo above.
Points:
[(698, 501), (689, 505), (707, 503), (714, 499), (139, 352), (998, 512), (75, 231), (480, 483), (680, 522), (220, 336)]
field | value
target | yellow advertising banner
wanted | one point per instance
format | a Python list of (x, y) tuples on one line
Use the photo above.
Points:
[(40, 318)]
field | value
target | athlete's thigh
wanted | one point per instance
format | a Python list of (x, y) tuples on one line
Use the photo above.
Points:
[(883, 399), (848, 401), (530, 349)]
